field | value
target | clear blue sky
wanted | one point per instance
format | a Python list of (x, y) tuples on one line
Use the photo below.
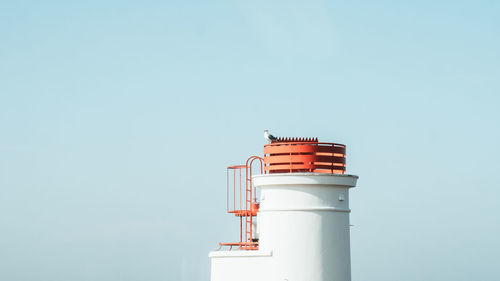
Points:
[(118, 118)]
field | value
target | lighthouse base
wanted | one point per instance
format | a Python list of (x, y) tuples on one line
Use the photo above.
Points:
[(242, 266)]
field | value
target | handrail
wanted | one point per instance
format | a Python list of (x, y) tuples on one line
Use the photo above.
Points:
[(251, 205)]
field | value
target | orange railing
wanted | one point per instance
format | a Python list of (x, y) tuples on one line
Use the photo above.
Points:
[(242, 202), (313, 156)]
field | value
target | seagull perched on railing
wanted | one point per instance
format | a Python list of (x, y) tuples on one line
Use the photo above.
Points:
[(270, 138)]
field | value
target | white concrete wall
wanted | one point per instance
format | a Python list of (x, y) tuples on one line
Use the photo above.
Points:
[(242, 266), (304, 222)]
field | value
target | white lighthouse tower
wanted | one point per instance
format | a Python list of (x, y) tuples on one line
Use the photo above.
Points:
[(298, 228)]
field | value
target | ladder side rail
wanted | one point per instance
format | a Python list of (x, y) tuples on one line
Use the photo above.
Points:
[(249, 187)]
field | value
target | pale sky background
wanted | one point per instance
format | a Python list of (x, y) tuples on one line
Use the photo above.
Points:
[(118, 119)]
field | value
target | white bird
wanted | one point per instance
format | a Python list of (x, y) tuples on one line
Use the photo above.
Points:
[(270, 138)]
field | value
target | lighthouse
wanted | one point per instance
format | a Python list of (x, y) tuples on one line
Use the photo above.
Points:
[(293, 211)]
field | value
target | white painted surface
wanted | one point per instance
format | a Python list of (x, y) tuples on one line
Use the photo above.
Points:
[(303, 223)]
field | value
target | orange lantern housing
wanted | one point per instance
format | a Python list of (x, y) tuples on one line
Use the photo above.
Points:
[(297, 155)]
